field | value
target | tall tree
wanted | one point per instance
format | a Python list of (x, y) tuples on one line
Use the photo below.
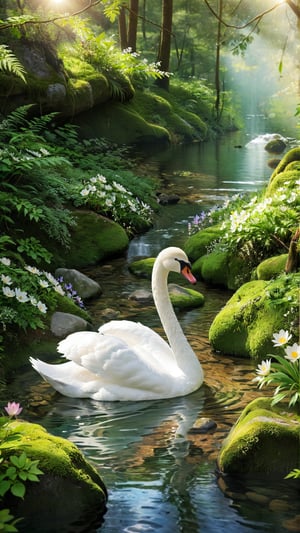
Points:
[(165, 43), (123, 28), (132, 26)]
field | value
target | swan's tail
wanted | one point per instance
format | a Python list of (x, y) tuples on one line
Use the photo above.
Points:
[(67, 378)]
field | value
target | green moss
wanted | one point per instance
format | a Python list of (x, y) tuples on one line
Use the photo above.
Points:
[(214, 268), (271, 267), (56, 455), (245, 326), (286, 180), (93, 239), (142, 267), (121, 124), (291, 156), (258, 442), (198, 244)]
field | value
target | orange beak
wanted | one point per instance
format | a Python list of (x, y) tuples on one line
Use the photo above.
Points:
[(187, 273)]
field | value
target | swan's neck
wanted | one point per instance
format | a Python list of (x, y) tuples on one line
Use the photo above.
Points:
[(183, 353)]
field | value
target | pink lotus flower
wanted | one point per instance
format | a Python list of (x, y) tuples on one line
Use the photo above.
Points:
[(13, 409)]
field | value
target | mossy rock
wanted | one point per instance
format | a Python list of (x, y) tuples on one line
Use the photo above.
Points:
[(287, 180), (120, 123), (289, 157), (222, 269), (264, 441), (271, 267), (93, 239), (213, 268), (198, 244), (142, 268), (185, 298), (245, 326), (65, 471), (275, 146)]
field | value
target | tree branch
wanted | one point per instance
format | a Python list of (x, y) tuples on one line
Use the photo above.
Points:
[(8, 25), (256, 18)]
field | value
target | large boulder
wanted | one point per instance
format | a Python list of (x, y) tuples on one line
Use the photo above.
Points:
[(69, 492), (94, 238), (264, 441), (246, 324), (84, 286)]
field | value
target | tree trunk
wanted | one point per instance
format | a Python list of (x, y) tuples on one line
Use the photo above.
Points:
[(132, 26), (217, 67), (144, 21), (292, 262), (165, 42), (123, 29)]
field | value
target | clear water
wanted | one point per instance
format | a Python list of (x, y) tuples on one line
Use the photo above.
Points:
[(160, 471)]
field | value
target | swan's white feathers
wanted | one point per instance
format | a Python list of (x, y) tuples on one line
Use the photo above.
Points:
[(126, 360)]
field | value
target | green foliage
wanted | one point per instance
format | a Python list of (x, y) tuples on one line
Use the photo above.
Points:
[(294, 474), (15, 472), (10, 63)]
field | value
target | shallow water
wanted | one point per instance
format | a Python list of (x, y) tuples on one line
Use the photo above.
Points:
[(160, 469)]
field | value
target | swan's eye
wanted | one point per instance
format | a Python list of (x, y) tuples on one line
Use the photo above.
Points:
[(183, 264)]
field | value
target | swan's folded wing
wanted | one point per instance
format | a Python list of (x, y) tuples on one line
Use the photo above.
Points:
[(140, 338), (113, 361)]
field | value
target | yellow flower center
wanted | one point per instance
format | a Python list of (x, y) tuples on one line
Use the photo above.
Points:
[(282, 340), (294, 355)]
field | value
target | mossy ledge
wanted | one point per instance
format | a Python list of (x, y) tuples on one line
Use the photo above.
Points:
[(70, 489), (264, 441)]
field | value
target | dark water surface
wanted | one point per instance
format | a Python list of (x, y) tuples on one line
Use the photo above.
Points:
[(159, 469)]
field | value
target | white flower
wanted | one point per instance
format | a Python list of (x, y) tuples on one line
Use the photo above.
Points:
[(33, 301), (101, 178), (44, 283), (5, 261), (6, 279), (21, 296), (85, 192), (281, 338), (264, 368), (32, 270), (42, 307), (7, 291), (59, 290), (293, 352), (51, 278)]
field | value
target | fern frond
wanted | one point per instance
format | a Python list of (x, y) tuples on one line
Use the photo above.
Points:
[(9, 62)]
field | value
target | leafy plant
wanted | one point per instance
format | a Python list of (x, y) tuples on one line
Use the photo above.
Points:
[(284, 373), (9, 62)]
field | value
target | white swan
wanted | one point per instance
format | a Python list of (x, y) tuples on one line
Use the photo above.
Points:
[(128, 361)]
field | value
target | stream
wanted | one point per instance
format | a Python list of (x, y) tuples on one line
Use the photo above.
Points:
[(158, 466)]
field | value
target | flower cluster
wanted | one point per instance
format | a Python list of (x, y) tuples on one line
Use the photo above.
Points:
[(113, 199), (35, 288), (260, 220), (284, 373)]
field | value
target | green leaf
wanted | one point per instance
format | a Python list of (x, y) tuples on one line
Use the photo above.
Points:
[(18, 489), (4, 487)]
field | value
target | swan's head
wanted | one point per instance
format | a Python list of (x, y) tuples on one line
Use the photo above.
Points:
[(175, 260)]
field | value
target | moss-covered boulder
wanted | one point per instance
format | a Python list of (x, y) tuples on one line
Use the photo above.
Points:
[(275, 146), (292, 156), (93, 239), (265, 440), (199, 243), (120, 123), (271, 267), (245, 326), (69, 491), (222, 269)]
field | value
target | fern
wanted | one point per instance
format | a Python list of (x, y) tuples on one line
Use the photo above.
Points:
[(9, 62)]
